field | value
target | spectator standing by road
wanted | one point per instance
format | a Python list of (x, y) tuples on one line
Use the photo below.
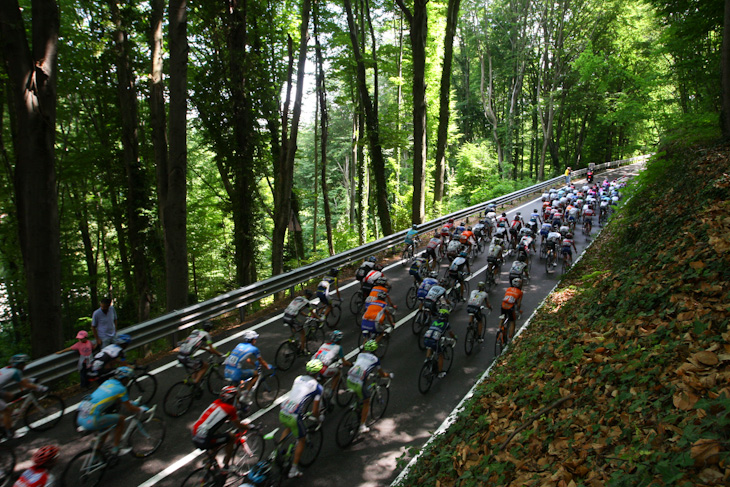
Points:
[(104, 323), (84, 346), (567, 175)]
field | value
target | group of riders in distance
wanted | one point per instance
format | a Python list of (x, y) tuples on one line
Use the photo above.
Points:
[(328, 376)]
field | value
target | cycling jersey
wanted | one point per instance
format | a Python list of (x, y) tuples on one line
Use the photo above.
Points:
[(517, 269), (328, 354), (36, 477), (373, 296), (477, 299), (194, 342), (107, 355), (213, 418), (323, 288), (358, 375), (363, 270), (410, 235), (433, 243), (372, 277), (453, 247), (9, 375), (425, 287), (495, 251), (241, 362), (375, 312), (305, 390), (432, 337), (467, 236), (511, 297), (418, 266), (457, 266), (291, 313), (92, 408), (545, 229)]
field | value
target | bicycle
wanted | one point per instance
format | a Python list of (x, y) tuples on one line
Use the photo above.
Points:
[(383, 343), (503, 335), (284, 450), (473, 337), (587, 226), (180, 396), (143, 385), (357, 300), (348, 427), (455, 294), (332, 319), (248, 450), (550, 260), (87, 468), (430, 368), (7, 465), (264, 391), (412, 295), (409, 252), (40, 411), (291, 348), (567, 263), (342, 396), (493, 271)]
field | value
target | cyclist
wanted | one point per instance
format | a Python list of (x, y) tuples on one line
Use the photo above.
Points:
[(13, 373), (457, 273), (305, 391), (480, 233), (419, 267), (360, 376), (467, 238), (376, 314), (519, 268), (411, 236), (325, 288), (453, 248), (512, 301), (381, 286), (39, 474), (460, 229), (553, 239), (425, 287), (207, 433), (198, 339), (567, 247), (432, 338), (432, 247), (544, 230), (332, 357), (495, 256), (299, 306), (535, 217), (477, 300), (369, 281), (93, 409), (365, 267), (432, 302), (516, 226), (242, 364), (446, 230), (527, 241), (110, 356), (503, 227)]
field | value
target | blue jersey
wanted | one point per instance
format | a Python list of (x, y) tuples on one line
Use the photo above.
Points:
[(240, 356), (426, 286), (409, 236), (99, 401), (434, 333)]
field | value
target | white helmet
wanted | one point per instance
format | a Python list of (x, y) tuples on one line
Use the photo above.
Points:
[(249, 336)]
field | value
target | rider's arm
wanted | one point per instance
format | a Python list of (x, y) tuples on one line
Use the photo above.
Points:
[(210, 348), (263, 362), (28, 384), (133, 407)]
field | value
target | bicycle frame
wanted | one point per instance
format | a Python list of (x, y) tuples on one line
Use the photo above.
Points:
[(132, 423)]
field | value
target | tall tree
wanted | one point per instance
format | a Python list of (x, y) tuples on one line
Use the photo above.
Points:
[(418, 22), (725, 56), (32, 71)]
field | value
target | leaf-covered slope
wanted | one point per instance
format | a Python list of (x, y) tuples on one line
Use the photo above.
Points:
[(622, 377)]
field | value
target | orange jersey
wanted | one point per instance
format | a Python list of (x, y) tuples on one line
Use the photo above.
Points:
[(511, 297), (376, 289), (466, 235), (373, 313)]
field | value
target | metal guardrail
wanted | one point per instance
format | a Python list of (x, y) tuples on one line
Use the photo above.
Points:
[(53, 367)]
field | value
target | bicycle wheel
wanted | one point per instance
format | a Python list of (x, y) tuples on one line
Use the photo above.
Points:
[(147, 437), (466, 287), (315, 338), (178, 399), (247, 453), (405, 258), (7, 465), (421, 344), (448, 353), (86, 469), (312, 446), (416, 322), (215, 381), (379, 402), (356, 302), (498, 343), (412, 297), (267, 390), (143, 386), (333, 318), (344, 393), (549, 263), (347, 427), (565, 266), (425, 376), (470, 339), (286, 355), (383, 345), (201, 477), (44, 413)]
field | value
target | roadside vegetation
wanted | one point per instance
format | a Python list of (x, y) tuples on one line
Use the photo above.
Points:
[(623, 375)]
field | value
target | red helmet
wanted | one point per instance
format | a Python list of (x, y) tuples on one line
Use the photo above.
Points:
[(44, 455), (228, 394)]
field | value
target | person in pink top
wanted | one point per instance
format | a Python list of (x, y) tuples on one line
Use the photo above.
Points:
[(84, 346)]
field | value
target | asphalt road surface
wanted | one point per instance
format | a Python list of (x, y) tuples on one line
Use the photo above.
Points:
[(372, 460)]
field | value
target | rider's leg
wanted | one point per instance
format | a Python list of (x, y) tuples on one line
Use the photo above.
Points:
[(199, 374), (365, 410)]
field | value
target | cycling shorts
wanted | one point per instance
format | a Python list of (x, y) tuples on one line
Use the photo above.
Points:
[(370, 326), (92, 422), (237, 375), (294, 422), (323, 298), (211, 441), (360, 391), (190, 363), (294, 323), (510, 313), (432, 339), (567, 250)]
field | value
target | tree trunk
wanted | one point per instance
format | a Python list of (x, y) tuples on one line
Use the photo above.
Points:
[(452, 18), (158, 119), (376, 151), (725, 62), (137, 195), (82, 219), (175, 212), (32, 76)]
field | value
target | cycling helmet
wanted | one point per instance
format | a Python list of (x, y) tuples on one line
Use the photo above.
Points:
[(522, 257), (517, 282), (19, 359), (382, 295), (504, 215), (123, 339), (570, 235), (444, 314), (314, 366), (461, 224), (336, 336), (518, 214), (451, 220), (469, 228), (333, 272), (371, 259), (207, 325), (123, 372), (370, 346), (414, 226), (44, 455), (228, 394), (436, 234), (481, 286), (259, 473), (463, 254), (381, 281), (378, 267), (249, 336)]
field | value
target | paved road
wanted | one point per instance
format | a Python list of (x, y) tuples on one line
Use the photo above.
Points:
[(372, 460)]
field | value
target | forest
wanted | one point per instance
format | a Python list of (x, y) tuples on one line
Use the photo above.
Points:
[(161, 153)]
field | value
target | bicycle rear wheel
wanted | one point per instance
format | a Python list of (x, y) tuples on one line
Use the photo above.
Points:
[(344, 393), (412, 297), (7, 465), (499, 343), (379, 402), (267, 390), (425, 376), (202, 477), (44, 413), (215, 381), (470, 339), (347, 428), (312, 446), (356, 302), (315, 338), (247, 453), (147, 437), (286, 355), (406, 258), (448, 352), (86, 469), (333, 318), (383, 345), (179, 399), (143, 386)]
